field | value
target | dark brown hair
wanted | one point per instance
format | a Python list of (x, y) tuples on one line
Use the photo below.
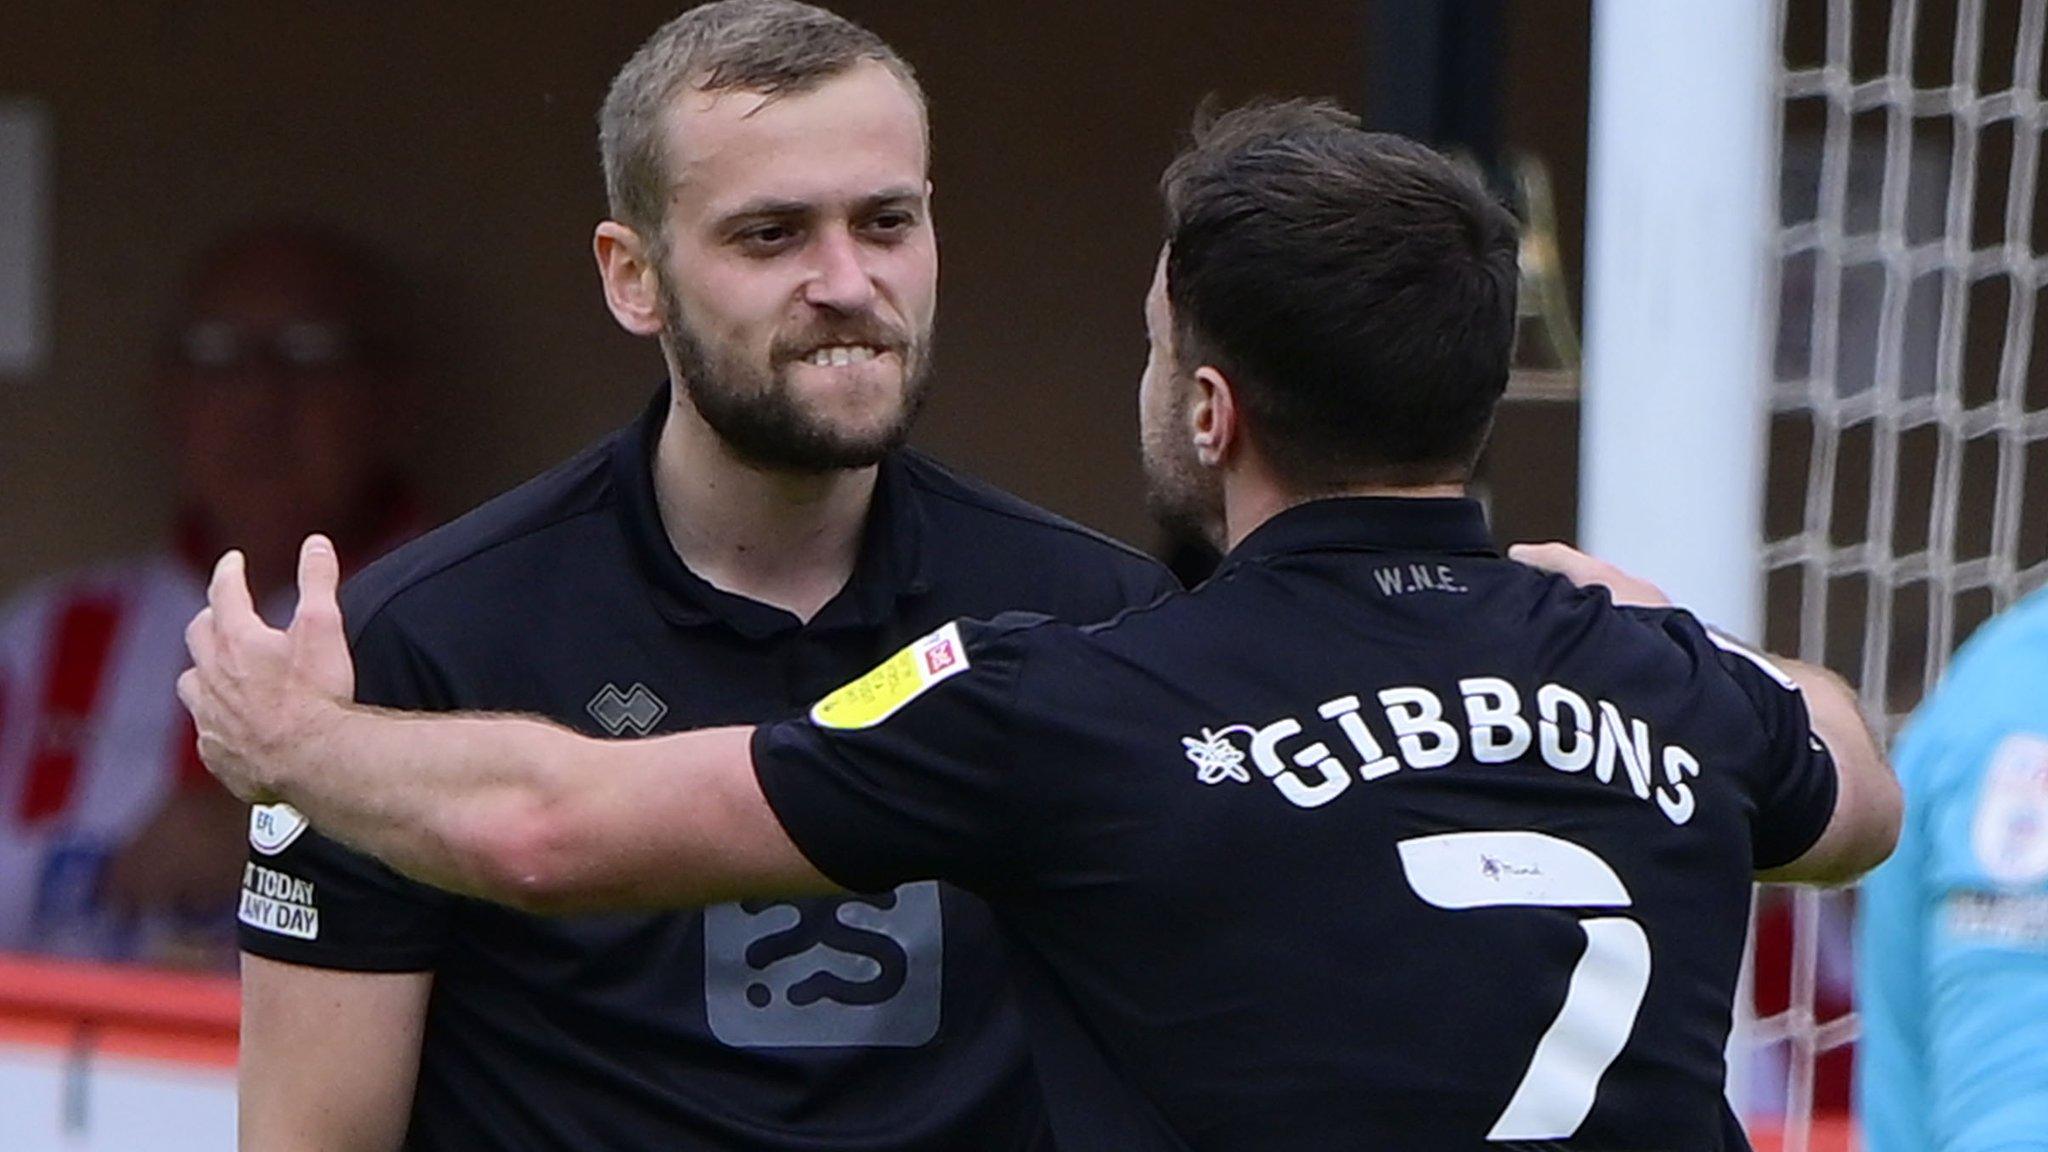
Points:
[(1357, 288)]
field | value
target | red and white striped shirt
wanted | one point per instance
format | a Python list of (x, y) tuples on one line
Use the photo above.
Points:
[(93, 740)]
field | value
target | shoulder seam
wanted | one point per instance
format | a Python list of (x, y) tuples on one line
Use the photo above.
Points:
[(385, 600), (1134, 611)]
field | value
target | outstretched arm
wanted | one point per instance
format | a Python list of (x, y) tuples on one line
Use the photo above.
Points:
[(510, 809), (1868, 806)]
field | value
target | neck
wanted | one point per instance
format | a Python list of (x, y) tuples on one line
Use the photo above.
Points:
[(782, 538), (1249, 502)]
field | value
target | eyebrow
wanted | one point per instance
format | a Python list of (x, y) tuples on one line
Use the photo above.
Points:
[(770, 207)]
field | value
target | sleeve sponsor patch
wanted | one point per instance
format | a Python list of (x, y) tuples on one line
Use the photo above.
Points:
[(278, 902), (273, 827), (894, 682), (2009, 833)]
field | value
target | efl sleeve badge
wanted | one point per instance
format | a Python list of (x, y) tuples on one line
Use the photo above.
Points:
[(273, 827)]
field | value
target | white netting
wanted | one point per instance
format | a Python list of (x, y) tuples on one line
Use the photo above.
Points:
[(1908, 493)]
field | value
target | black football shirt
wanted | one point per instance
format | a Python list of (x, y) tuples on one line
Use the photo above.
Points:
[(1376, 840), (879, 1021)]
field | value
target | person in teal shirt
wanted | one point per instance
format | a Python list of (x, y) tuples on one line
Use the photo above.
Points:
[(1952, 956)]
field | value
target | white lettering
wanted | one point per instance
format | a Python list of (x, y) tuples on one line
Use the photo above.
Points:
[(1376, 762), (1549, 699), (1677, 803), (1569, 732), (1316, 757), (1417, 718), (1492, 706), (1630, 740)]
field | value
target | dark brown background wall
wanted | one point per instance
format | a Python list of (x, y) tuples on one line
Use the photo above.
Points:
[(459, 136)]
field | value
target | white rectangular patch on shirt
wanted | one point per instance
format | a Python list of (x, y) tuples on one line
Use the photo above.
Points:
[(280, 916), (278, 902)]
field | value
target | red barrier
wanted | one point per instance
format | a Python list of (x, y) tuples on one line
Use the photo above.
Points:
[(120, 1011), (1828, 1134)]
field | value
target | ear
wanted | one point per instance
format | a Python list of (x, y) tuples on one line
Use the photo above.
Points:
[(632, 287), (1214, 421)]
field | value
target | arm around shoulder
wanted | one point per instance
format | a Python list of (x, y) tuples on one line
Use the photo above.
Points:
[(1868, 810), (523, 812)]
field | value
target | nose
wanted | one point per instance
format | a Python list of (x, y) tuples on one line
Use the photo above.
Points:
[(840, 278)]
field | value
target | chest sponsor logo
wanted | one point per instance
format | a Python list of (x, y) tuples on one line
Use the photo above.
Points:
[(841, 972), (1999, 919), (636, 709), (894, 682), (273, 827), (1415, 729), (2009, 833), (278, 902)]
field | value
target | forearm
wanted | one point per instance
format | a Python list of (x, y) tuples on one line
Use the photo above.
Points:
[(523, 812), (514, 810), (447, 800)]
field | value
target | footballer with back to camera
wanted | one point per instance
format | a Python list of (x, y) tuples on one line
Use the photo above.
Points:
[(1307, 858), (754, 539)]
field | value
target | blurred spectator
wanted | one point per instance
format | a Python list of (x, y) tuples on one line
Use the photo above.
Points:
[(280, 386)]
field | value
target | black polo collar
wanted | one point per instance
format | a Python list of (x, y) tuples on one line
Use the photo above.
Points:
[(1369, 524), (891, 564)]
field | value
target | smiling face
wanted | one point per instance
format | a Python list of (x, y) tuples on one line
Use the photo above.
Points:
[(800, 273)]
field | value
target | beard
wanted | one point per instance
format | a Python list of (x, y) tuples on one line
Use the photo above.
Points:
[(1184, 498), (757, 412)]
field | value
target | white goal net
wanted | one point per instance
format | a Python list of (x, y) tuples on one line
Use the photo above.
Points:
[(1907, 491)]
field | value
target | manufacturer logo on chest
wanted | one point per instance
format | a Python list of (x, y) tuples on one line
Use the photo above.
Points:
[(636, 709)]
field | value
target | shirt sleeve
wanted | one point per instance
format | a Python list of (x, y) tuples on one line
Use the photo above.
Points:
[(1984, 921), (904, 774), (1793, 779), (309, 900), (1147, 583)]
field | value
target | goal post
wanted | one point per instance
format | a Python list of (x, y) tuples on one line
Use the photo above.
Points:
[(1681, 215), (1679, 243), (1816, 372)]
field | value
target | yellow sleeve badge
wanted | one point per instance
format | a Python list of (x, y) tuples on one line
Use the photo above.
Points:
[(894, 682)]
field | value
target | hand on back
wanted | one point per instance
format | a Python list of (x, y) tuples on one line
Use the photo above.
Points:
[(1583, 570)]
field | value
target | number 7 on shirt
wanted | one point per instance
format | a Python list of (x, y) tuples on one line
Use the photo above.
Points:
[(1464, 870)]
